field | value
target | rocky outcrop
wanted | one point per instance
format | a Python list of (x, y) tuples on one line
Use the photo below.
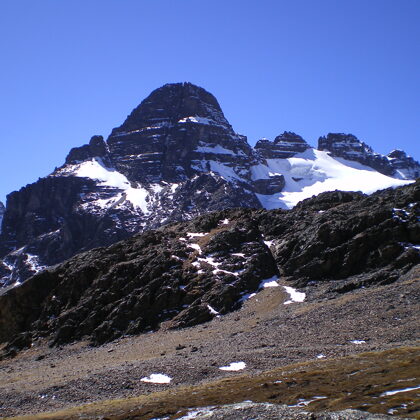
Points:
[(349, 239), (396, 164), (178, 276), (187, 273), (284, 146), (272, 185), (404, 166), (45, 224), (349, 147), (96, 148)]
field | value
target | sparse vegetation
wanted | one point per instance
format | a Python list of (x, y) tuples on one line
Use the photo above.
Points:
[(358, 381)]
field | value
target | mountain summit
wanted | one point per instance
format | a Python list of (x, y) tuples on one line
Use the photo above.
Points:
[(173, 158), (172, 103)]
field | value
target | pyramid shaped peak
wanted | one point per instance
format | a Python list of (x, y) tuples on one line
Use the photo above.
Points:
[(173, 102)]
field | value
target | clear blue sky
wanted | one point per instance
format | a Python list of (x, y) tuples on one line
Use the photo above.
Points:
[(74, 68)]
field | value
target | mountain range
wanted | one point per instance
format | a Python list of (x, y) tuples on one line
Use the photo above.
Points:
[(175, 157), (150, 268)]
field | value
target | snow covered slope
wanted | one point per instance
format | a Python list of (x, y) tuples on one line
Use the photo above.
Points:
[(313, 172)]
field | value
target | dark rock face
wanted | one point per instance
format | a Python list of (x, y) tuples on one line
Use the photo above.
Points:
[(187, 273), (44, 225), (175, 157), (348, 146), (96, 148), (349, 238), (171, 132), (404, 165), (269, 186), (284, 146), (177, 276)]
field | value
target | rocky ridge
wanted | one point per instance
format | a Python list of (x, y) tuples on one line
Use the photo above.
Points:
[(191, 272), (396, 164), (284, 146), (405, 166), (175, 157)]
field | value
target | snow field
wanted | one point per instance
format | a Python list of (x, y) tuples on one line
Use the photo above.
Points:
[(313, 172)]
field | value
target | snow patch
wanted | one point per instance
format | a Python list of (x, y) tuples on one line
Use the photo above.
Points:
[(196, 247), (157, 378), (194, 235), (246, 297), (271, 282), (193, 414), (303, 403), (215, 149), (109, 177), (210, 260), (33, 262), (226, 172), (295, 296), (200, 120), (397, 391), (234, 366), (212, 310)]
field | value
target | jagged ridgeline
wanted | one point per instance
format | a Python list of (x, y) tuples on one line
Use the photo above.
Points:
[(187, 273), (175, 157)]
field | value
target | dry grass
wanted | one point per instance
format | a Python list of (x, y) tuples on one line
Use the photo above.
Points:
[(352, 382)]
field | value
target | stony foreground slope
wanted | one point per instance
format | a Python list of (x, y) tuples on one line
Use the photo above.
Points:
[(292, 353), (185, 274)]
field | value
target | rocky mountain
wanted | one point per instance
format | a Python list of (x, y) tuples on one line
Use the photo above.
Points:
[(396, 164), (188, 273), (284, 146), (174, 157), (405, 166)]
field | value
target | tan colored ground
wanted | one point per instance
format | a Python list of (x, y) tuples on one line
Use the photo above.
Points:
[(265, 334)]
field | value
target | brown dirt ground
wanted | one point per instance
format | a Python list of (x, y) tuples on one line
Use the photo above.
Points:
[(265, 334)]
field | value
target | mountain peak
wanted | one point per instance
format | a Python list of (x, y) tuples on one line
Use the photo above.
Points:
[(284, 146), (397, 164), (172, 103), (405, 166), (171, 133)]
